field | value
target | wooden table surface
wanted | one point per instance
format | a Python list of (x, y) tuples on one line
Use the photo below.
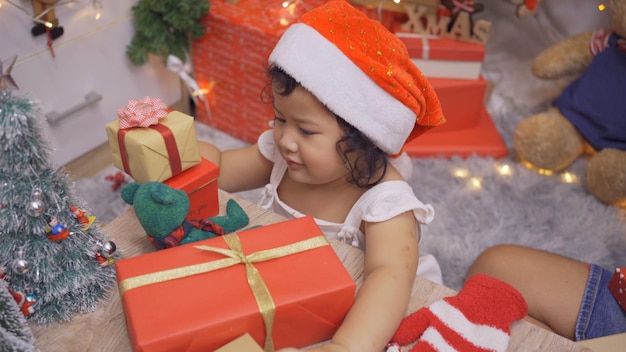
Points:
[(105, 328)]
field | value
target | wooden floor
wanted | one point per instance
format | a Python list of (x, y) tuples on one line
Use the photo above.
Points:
[(91, 163)]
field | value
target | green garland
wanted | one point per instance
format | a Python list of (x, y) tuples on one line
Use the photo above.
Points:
[(165, 27)]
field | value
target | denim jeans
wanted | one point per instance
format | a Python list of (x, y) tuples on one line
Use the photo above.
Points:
[(600, 314)]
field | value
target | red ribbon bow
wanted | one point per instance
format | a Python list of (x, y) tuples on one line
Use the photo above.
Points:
[(141, 113)]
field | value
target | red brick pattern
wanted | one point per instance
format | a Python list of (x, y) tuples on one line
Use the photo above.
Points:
[(231, 59)]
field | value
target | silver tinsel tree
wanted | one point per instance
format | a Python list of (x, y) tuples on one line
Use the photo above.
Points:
[(15, 334), (56, 258)]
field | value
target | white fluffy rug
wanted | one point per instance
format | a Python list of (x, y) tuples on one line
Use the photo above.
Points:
[(523, 207)]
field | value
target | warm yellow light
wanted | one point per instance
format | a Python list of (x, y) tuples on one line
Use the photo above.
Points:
[(204, 91), (199, 92), (47, 24), (476, 183), (396, 1), (545, 172), (285, 4), (505, 170), (1, 2), (569, 177), (97, 5), (538, 170), (602, 7), (284, 22), (460, 173)]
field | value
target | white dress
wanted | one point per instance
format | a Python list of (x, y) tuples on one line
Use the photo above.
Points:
[(379, 203)]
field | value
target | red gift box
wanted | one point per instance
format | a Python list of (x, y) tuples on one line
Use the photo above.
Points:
[(200, 296), (444, 57), (617, 286), (230, 60), (200, 184), (461, 100)]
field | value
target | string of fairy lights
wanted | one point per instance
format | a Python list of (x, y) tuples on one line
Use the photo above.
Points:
[(504, 169)]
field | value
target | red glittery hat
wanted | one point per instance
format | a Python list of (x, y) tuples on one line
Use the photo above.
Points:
[(361, 72)]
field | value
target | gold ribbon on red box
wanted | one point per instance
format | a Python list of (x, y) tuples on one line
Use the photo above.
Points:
[(234, 256), (146, 113)]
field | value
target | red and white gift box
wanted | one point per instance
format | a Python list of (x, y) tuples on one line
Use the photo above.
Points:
[(444, 57)]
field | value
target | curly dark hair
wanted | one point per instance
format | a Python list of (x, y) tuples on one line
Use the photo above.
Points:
[(364, 171)]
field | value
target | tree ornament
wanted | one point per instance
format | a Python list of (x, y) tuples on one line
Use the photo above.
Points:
[(104, 256), (26, 302), (20, 265), (35, 206), (82, 217), (37, 194), (57, 231), (29, 305), (6, 81), (16, 334)]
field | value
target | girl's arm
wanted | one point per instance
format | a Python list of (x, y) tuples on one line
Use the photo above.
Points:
[(390, 266), (240, 169)]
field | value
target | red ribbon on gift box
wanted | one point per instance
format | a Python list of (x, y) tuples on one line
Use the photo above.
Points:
[(146, 113), (617, 286)]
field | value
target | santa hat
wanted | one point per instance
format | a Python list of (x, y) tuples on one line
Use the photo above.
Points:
[(361, 72), (478, 318)]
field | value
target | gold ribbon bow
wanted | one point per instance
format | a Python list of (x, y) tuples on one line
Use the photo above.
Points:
[(234, 256)]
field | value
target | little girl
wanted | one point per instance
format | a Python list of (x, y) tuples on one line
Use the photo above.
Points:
[(346, 97)]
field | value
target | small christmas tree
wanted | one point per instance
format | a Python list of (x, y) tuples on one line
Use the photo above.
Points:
[(56, 258), (15, 334)]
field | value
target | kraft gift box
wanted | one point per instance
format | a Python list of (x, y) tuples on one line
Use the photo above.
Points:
[(155, 153), (244, 343)]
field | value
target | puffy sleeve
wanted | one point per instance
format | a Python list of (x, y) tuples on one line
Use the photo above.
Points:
[(266, 145), (390, 199)]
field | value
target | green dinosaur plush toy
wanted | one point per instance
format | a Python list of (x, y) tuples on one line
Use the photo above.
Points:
[(162, 212)]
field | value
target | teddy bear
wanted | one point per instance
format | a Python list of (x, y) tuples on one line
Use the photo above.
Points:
[(589, 117), (163, 211)]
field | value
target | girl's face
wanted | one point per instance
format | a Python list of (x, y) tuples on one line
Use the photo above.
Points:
[(306, 134)]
